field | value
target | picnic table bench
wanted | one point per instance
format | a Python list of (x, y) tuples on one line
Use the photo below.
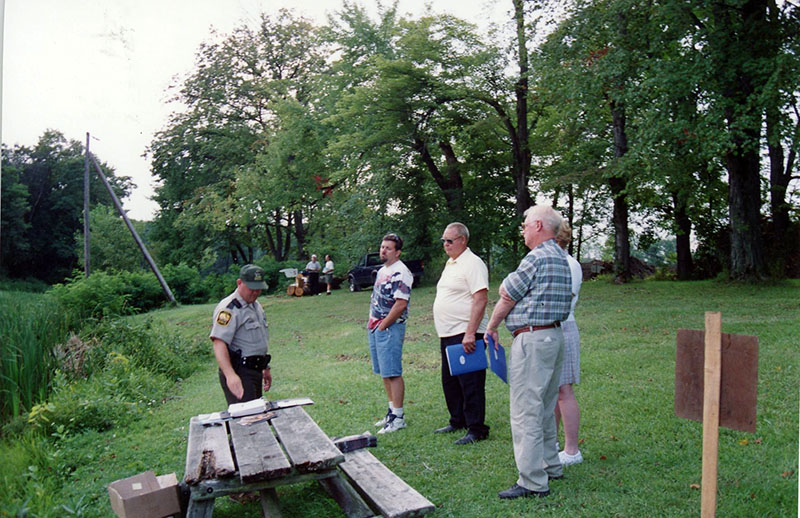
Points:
[(287, 447)]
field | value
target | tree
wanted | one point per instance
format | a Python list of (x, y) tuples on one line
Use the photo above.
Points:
[(519, 133), (52, 174), (415, 127), (232, 100), (782, 124), (15, 205), (734, 38), (415, 108), (600, 49), (112, 248), (287, 182)]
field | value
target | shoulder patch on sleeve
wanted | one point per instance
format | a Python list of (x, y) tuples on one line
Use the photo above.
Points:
[(234, 304), (223, 317)]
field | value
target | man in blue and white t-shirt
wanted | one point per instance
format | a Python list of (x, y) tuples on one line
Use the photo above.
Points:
[(386, 328)]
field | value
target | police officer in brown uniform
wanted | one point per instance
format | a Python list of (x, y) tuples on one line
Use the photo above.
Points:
[(241, 339)]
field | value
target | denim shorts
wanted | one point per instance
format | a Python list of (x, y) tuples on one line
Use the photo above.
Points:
[(386, 350)]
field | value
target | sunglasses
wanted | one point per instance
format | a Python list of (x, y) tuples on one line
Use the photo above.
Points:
[(449, 241)]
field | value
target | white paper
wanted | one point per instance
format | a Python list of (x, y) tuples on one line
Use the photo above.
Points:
[(256, 406)]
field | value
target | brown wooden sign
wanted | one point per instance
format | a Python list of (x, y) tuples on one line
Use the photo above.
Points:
[(738, 383)]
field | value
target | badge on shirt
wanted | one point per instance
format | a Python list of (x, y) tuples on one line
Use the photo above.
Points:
[(223, 317)]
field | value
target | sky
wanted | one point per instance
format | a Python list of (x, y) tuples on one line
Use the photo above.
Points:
[(104, 67)]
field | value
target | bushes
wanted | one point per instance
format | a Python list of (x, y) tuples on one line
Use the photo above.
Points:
[(109, 294), (185, 283), (116, 396), (125, 369), (142, 344), (106, 295), (276, 280), (218, 285)]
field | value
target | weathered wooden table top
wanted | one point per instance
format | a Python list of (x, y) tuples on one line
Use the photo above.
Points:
[(254, 448)]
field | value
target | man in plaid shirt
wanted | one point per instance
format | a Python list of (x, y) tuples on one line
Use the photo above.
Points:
[(534, 299)]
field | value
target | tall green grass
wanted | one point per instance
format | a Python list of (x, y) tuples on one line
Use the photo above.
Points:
[(30, 325)]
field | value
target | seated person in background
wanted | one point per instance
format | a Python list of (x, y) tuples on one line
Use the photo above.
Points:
[(312, 270)]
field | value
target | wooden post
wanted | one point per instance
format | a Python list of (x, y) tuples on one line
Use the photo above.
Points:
[(711, 389), (135, 234), (86, 258)]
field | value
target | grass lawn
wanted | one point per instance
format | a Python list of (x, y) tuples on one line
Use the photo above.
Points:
[(640, 460)]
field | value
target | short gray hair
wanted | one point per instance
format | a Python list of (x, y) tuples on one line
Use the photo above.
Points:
[(460, 228), (549, 217)]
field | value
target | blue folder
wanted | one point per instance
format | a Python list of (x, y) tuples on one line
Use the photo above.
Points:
[(497, 360), (461, 362)]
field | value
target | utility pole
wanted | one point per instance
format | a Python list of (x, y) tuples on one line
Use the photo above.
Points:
[(86, 269), (135, 234)]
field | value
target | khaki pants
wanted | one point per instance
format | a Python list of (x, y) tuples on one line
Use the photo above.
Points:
[(533, 376)]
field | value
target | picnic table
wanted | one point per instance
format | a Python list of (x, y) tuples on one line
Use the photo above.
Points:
[(285, 447)]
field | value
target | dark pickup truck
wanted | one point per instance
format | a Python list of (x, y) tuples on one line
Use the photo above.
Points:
[(363, 274)]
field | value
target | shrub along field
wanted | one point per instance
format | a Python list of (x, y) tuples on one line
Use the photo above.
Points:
[(640, 460)]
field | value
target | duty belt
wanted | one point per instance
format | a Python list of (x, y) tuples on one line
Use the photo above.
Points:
[(257, 362)]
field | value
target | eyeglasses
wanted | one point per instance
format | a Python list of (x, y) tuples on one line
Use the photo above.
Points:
[(525, 225), (450, 241)]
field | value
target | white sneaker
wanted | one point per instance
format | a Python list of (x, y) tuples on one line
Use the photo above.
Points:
[(568, 460), (382, 421), (393, 424)]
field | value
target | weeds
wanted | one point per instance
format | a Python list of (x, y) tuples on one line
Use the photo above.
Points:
[(30, 325)]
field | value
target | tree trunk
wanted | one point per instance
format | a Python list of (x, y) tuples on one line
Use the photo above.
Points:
[(781, 242), (743, 116), (556, 196), (622, 247), (571, 217), (287, 239), (618, 184), (682, 237), (521, 152), (240, 255), (779, 176), (271, 242), (299, 232), (451, 185), (278, 238), (744, 200)]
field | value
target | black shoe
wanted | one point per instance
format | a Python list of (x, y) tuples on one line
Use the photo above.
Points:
[(470, 438), (517, 491), (557, 477), (448, 429)]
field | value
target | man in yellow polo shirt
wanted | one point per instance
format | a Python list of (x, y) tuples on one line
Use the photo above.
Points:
[(459, 314)]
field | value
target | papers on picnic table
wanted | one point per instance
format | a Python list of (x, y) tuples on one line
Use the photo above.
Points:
[(256, 406), (249, 408)]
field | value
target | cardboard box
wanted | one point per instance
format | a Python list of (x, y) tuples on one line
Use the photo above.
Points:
[(145, 496)]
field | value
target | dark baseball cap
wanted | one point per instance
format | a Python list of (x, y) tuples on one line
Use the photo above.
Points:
[(253, 277)]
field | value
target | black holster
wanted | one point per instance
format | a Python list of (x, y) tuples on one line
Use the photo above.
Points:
[(257, 362)]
